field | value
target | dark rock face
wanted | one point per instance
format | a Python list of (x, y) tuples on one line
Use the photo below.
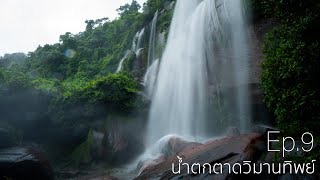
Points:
[(233, 132), (140, 64), (177, 145), (24, 163), (121, 142), (5, 138), (259, 111)]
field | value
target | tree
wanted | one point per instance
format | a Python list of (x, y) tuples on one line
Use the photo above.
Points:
[(128, 9)]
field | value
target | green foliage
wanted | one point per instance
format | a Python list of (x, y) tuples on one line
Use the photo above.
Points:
[(118, 91), (71, 82), (291, 67), (128, 63), (129, 8), (12, 59), (165, 21), (290, 71), (288, 80), (82, 153), (85, 54), (287, 11), (74, 74), (15, 79), (48, 85), (151, 6), (83, 99)]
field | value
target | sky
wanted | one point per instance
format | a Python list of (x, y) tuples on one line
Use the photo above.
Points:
[(26, 24)]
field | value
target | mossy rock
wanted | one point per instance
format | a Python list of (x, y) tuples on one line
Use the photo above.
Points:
[(82, 153)]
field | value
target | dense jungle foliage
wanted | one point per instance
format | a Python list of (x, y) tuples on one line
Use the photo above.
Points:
[(291, 65), (74, 81)]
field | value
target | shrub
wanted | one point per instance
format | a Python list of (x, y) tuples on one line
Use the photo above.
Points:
[(115, 90), (287, 11), (290, 73)]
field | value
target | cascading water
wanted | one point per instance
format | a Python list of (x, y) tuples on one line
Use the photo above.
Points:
[(136, 44), (207, 47), (179, 102), (136, 47), (240, 49), (156, 44), (150, 78), (122, 60), (152, 41)]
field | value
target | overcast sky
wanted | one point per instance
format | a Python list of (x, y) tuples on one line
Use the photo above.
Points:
[(27, 23)]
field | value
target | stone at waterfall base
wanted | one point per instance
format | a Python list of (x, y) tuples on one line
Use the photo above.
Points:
[(21, 163), (229, 149)]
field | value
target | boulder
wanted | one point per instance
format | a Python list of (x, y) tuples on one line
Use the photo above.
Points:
[(146, 165), (233, 131), (170, 146), (24, 163), (229, 149), (176, 145), (121, 142)]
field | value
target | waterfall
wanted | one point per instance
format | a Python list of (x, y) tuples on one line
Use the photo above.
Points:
[(152, 41), (134, 42), (136, 47), (137, 40), (156, 43), (150, 77), (122, 60), (207, 47), (240, 49), (179, 99)]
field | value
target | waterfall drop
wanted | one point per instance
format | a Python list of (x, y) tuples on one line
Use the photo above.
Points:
[(136, 47), (122, 60), (152, 41), (205, 55), (150, 78)]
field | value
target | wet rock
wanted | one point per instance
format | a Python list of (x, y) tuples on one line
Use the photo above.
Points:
[(177, 145), (6, 140), (264, 129), (150, 163), (139, 64), (230, 149), (167, 147), (24, 163), (122, 141), (233, 131)]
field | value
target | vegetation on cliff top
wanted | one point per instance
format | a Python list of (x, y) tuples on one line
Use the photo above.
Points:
[(74, 82)]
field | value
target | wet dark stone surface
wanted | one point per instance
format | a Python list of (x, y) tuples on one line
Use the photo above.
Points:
[(20, 163)]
